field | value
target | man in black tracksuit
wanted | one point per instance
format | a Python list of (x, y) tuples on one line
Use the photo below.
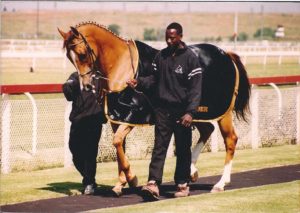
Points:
[(86, 117), (177, 80)]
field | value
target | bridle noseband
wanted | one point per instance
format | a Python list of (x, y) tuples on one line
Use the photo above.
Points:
[(95, 70), (91, 54)]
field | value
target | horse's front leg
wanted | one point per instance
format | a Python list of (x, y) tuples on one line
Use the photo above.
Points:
[(205, 130), (125, 173), (230, 140)]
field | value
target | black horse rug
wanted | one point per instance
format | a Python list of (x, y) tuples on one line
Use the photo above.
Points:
[(219, 89)]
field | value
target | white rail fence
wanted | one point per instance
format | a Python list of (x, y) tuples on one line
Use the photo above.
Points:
[(36, 50), (35, 132)]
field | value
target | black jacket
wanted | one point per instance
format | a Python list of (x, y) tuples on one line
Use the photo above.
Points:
[(85, 106), (177, 80)]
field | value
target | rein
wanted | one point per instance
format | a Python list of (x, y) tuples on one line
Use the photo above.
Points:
[(95, 70)]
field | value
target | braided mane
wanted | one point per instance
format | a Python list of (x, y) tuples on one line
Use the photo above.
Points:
[(100, 26)]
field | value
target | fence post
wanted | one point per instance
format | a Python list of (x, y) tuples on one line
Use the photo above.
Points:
[(67, 154), (33, 65), (254, 118), (280, 59), (5, 136), (265, 60), (279, 99), (298, 113), (34, 122)]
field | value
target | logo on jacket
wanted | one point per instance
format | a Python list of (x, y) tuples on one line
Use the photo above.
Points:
[(179, 70)]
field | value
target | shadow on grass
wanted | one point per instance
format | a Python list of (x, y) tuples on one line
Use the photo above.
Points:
[(168, 190), (72, 188)]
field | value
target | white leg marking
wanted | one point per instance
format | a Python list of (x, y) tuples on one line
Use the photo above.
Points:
[(196, 151), (225, 179), (193, 168)]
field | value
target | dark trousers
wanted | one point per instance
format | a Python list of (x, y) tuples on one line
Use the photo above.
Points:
[(83, 144), (165, 126)]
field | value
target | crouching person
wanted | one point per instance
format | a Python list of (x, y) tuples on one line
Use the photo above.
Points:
[(86, 119)]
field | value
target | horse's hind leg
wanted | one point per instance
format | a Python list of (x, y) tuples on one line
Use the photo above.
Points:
[(230, 140), (205, 130), (125, 173)]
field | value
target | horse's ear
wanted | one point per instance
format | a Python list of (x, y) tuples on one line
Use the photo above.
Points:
[(63, 34), (74, 31)]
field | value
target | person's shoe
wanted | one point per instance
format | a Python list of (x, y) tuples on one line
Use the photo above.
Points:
[(183, 190), (89, 189), (150, 192)]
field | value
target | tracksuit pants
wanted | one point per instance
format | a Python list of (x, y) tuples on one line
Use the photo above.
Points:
[(165, 126), (83, 144)]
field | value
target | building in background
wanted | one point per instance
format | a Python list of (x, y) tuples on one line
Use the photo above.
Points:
[(279, 33)]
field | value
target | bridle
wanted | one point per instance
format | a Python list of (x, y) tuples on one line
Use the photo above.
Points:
[(90, 53), (95, 70)]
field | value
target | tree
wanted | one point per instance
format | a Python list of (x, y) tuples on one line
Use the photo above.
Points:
[(149, 34), (114, 28), (242, 36), (266, 32), (219, 39), (160, 35)]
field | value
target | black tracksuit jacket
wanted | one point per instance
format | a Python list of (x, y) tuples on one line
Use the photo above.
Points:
[(85, 107), (177, 80)]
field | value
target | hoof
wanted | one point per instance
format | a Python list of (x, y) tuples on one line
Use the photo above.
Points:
[(217, 189), (117, 190), (133, 182), (228, 183), (194, 177)]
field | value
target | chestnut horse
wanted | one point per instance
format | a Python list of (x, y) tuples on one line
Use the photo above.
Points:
[(96, 51)]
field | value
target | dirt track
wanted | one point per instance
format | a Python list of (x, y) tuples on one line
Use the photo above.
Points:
[(104, 199)]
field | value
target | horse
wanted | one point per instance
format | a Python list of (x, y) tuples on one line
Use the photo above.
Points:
[(99, 54)]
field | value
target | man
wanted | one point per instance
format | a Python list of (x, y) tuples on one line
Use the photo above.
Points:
[(177, 80), (86, 117)]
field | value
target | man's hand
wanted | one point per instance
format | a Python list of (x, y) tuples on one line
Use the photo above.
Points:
[(186, 120), (132, 83)]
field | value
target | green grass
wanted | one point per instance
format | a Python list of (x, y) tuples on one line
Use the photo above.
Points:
[(273, 69), (48, 77), (58, 182), (34, 78), (281, 198)]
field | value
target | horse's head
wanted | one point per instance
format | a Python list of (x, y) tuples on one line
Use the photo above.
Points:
[(82, 52)]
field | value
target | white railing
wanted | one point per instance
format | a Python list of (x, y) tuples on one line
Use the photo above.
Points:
[(52, 45), (52, 49)]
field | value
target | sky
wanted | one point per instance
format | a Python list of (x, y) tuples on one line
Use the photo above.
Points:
[(159, 6)]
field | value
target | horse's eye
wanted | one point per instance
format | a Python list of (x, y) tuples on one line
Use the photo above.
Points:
[(82, 56)]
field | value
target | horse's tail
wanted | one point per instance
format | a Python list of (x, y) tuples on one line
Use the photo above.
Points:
[(241, 106)]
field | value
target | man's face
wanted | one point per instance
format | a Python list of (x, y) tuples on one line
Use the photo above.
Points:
[(172, 38)]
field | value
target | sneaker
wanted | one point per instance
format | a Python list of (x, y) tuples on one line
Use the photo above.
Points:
[(89, 189), (150, 192), (183, 190)]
